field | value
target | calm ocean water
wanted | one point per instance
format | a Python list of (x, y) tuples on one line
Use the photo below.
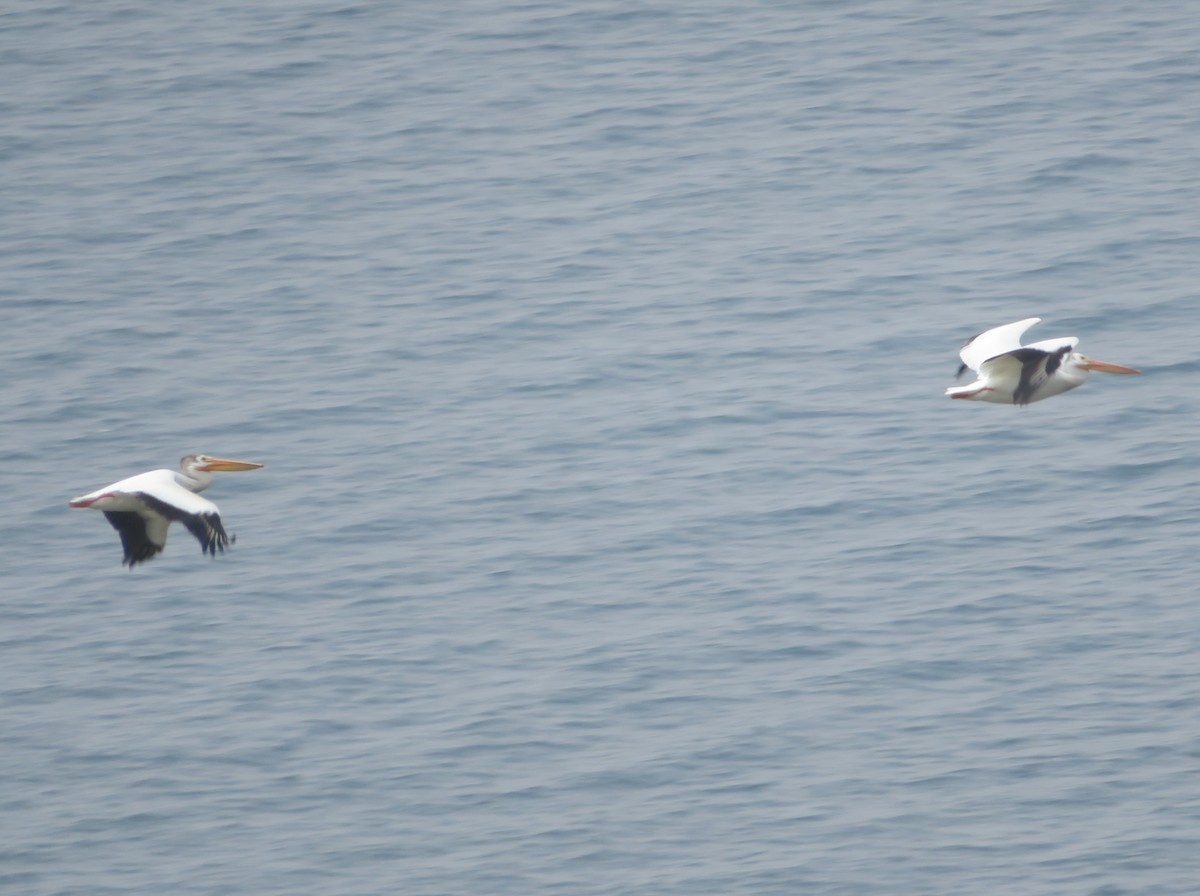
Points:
[(615, 536)]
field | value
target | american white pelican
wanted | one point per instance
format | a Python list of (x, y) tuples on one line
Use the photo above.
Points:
[(141, 507), (1011, 373)]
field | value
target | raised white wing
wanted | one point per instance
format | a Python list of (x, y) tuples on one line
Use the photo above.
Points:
[(993, 342)]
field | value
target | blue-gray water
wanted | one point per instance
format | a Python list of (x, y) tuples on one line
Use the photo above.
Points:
[(615, 535)]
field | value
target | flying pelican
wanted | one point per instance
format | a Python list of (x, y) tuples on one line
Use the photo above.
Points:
[(141, 507), (1011, 373)]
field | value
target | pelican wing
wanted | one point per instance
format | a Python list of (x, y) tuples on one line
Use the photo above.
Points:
[(993, 343), (141, 536), (200, 516)]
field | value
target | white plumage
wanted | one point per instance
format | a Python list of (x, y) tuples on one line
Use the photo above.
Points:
[(1011, 373), (142, 507)]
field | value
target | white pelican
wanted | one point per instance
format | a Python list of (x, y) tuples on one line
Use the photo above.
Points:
[(141, 507), (1011, 373)]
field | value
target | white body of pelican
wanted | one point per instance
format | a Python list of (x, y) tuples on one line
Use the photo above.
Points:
[(1011, 373), (141, 507)]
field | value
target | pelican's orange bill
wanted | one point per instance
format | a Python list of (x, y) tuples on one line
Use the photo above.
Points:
[(223, 465), (1108, 367)]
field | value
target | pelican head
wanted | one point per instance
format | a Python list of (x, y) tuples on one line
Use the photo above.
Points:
[(1074, 370), (206, 463)]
